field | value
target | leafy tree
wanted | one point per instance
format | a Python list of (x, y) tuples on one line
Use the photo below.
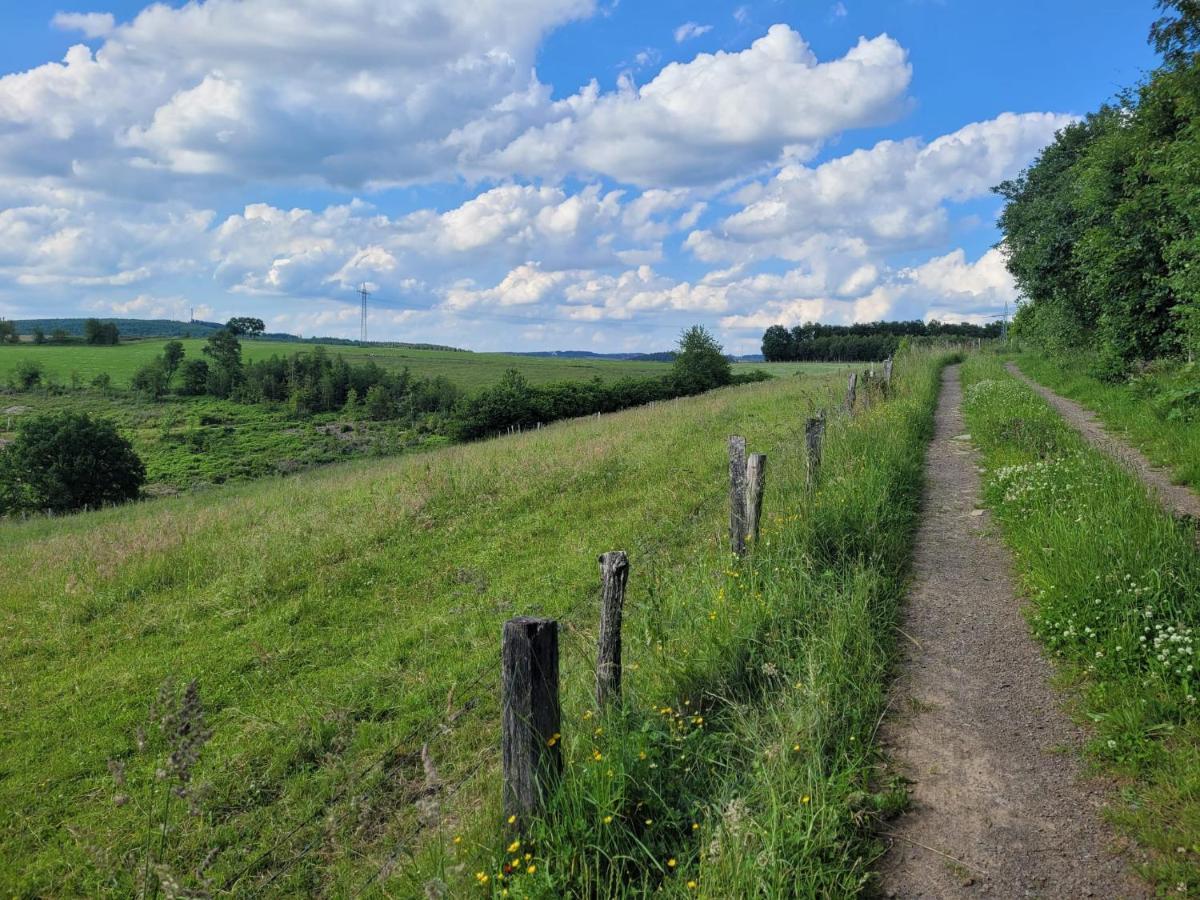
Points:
[(225, 373), (1177, 34), (39, 336), (700, 362), (378, 404), (102, 382), (59, 336), (245, 325), (100, 333), (68, 461), (171, 359), (195, 377), (777, 344), (8, 332)]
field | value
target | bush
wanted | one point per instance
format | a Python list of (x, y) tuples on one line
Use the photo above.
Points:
[(68, 461), (195, 377), (27, 375), (151, 379)]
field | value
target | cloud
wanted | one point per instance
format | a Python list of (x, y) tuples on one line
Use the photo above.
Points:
[(689, 30), (892, 196), (715, 117), (93, 25)]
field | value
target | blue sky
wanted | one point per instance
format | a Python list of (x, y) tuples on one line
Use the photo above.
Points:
[(532, 174)]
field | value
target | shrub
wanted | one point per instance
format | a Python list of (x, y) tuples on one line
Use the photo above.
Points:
[(195, 377), (68, 461), (151, 379), (27, 375)]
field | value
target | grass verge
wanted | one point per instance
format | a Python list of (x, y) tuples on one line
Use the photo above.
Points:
[(1112, 582)]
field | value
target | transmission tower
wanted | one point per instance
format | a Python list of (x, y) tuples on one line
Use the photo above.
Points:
[(364, 293)]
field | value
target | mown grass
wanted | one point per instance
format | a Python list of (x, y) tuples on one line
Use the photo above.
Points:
[(338, 621), (1112, 582), (1174, 443), (469, 371)]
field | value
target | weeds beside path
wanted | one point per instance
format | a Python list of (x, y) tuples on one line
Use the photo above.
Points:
[(1178, 499), (998, 801)]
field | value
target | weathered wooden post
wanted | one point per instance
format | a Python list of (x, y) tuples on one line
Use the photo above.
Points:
[(814, 431), (614, 573), (851, 392), (530, 716), (887, 375), (737, 495), (756, 481)]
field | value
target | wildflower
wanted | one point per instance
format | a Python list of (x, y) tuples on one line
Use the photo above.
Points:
[(671, 863), (597, 755), (528, 857), (805, 799), (587, 714), (608, 820), (553, 739), (795, 748), (482, 877), (598, 732), (691, 885), (514, 846), (512, 819), (458, 839), (531, 869), (642, 754), (695, 826)]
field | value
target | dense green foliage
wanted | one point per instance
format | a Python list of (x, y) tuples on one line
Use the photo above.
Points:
[(861, 342), (67, 462), (1102, 232), (101, 334), (1112, 581)]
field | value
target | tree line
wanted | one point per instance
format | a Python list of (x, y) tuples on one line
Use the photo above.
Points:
[(1102, 231), (861, 342)]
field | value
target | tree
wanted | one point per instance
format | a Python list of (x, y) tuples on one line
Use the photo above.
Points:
[(171, 358), (777, 344), (68, 461), (8, 332), (59, 336), (100, 333), (195, 378), (28, 374), (1177, 36), (39, 336), (225, 373), (700, 363), (378, 403), (246, 325)]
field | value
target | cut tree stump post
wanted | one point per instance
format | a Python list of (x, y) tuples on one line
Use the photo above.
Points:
[(851, 392), (814, 431), (614, 573), (756, 481), (737, 495), (530, 716)]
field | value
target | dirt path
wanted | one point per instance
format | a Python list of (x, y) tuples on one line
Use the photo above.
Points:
[(1176, 498), (999, 807)]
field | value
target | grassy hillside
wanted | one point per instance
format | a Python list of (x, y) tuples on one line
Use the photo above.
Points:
[(334, 619), (468, 370)]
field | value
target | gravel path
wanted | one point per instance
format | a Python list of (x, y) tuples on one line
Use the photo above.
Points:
[(999, 805), (1178, 499)]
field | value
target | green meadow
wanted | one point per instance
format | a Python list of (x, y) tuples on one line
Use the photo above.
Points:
[(342, 629)]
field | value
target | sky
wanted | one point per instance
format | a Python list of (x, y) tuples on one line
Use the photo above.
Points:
[(533, 174)]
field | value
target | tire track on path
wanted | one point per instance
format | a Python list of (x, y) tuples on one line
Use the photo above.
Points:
[(1178, 499), (1000, 807)]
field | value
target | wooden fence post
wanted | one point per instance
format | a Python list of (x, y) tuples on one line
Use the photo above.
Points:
[(851, 392), (756, 481), (814, 431), (614, 573), (530, 715), (887, 375), (737, 495)]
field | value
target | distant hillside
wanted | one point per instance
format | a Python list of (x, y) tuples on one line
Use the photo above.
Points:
[(163, 328), (588, 354)]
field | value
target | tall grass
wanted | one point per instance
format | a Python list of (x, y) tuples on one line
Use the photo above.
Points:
[(1113, 585), (740, 762)]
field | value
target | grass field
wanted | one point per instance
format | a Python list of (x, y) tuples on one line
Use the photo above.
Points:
[(468, 370), (1174, 443), (1113, 582), (334, 619)]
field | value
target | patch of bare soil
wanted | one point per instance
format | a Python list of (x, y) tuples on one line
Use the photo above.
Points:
[(999, 804), (1178, 499)]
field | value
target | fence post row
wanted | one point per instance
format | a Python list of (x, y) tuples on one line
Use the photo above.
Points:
[(614, 574), (530, 716), (737, 495), (814, 431)]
